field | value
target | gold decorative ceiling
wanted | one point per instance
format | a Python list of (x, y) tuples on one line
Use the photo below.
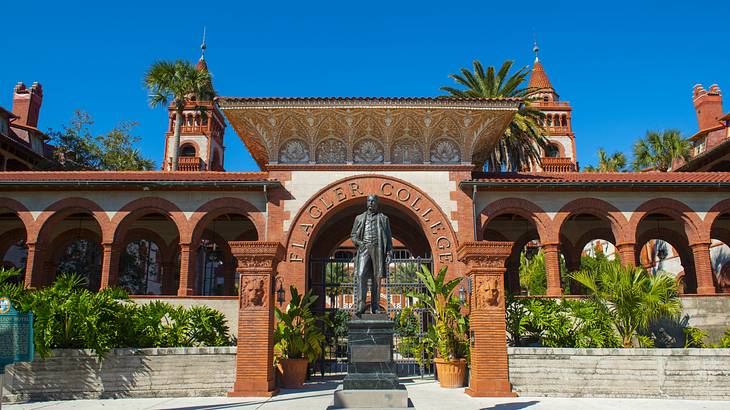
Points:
[(369, 130)]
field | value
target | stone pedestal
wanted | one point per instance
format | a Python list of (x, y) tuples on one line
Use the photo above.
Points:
[(371, 381)]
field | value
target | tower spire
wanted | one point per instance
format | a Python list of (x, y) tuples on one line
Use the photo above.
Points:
[(202, 65), (535, 48)]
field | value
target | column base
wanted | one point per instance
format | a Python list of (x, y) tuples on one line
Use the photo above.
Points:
[(706, 290), (253, 393), (185, 292), (490, 388)]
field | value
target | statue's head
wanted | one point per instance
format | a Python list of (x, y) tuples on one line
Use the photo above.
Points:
[(372, 203)]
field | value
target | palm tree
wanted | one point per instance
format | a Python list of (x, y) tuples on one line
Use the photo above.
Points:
[(659, 149), (523, 141), (632, 297), (613, 163), (177, 82)]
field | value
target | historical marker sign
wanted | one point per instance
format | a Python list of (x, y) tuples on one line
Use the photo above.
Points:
[(16, 335)]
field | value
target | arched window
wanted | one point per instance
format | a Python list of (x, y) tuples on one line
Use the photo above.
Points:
[(187, 150), (552, 151)]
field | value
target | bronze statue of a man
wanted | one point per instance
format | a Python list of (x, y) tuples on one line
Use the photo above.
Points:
[(371, 236)]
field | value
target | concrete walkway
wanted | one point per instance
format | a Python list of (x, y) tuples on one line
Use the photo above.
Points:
[(425, 395)]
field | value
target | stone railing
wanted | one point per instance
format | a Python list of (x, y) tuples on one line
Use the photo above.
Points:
[(190, 164), (629, 373), (557, 164)]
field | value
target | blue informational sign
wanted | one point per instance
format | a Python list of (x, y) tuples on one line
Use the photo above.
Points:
[(16, 335)]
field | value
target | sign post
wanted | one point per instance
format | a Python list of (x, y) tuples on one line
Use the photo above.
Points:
[(16, 338)]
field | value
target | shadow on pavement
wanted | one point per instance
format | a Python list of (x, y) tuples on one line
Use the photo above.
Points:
[(512, 406)]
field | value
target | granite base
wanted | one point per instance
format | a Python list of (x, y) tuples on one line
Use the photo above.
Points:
[(371, 399)]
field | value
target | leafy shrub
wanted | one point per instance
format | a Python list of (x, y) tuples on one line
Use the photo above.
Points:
[(694, 337), (67, 315), (725, 340), (297, 333)]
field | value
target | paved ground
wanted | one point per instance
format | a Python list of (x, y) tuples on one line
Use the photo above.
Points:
[(425, 395)]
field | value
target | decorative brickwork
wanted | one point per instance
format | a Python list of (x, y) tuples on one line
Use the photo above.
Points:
[(485, 264), (257, 263)]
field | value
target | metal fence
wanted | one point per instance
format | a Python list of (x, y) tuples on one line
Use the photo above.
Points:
[(333, 279)]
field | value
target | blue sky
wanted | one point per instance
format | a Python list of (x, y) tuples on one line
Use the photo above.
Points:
[(626, 67)]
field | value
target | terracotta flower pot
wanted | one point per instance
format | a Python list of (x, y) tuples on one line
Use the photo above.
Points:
[(292, 373), (451, 373)]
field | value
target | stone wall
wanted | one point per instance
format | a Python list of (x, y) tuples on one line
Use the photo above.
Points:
[(709, 313), (165, 372), (176, 372), (628, 373), (228, 305)]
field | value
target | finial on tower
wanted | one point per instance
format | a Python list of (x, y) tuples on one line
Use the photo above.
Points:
[(202, 46), (535, 48)]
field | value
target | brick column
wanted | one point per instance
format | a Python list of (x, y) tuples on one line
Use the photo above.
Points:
[(485, 266), (552, 269), (109, 265), (187, 270), (33, 266), (703, 268), (257, 263), (627, 253)]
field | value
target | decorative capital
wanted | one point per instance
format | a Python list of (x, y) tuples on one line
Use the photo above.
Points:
[(485, 254), (256, 256)]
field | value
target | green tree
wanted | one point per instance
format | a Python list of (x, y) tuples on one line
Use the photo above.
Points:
[(613, 163), (659, 149), (78, 149), (631, 296), (523, 141), (176, 83)]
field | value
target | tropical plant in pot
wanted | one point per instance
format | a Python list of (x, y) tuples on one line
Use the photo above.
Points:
[(297, 337), (449, 329)]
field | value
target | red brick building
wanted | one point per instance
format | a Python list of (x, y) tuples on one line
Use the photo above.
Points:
[(202, 232), (22, 144)]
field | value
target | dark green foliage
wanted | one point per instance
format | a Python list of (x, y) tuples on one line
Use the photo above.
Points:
[(553, 323), (725, 340), (533, 275), (78, 149), (297, 333), (67, 315), (613, 163), (659, 149)]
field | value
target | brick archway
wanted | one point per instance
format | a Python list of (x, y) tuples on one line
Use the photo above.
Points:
[(674, 209), (598, 208), (523, 208), (132, 211), (20, 210), (61, 209), (221, 206), (343, 194), (722, 207)]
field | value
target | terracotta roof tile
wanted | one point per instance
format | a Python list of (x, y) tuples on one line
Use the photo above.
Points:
[(364, 100), (539, 78), (602, 179), (133, 176)]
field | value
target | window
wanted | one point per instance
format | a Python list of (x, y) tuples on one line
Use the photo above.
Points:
[(552, 151), (187, 150)]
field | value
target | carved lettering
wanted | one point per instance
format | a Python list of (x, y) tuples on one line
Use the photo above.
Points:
[(413, 204), (307, 228), (326, 205), (339, 194), (425, 214), (443, 242), (293, 257), (446, 257), (300, 245), (403, 198), (389, 192), (436, 227), (317, 214), (355, 187)]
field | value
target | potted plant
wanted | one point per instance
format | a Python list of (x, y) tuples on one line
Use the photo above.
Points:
[(298, 339), (449, 329)]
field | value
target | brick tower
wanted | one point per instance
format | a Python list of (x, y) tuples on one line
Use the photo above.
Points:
[(201, 134), (560, 157)]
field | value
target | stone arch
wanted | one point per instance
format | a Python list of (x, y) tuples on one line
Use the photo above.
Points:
[(132, 211), (722, 207), (20, 210), (598, 208), (221, 206), (681, 244), (673, 208), (523, 208), (342, 194), (65, 207)]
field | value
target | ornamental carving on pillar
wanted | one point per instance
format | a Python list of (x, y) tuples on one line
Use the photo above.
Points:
[(487, 292), (253, 291)]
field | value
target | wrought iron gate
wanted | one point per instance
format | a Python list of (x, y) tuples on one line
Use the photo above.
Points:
[(334, 281)]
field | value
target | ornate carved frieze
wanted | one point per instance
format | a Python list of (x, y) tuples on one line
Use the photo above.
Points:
[(369, 131), (294, 151), (256, 256), (331, 151), (488, 255), (407, 151), (368, 151), (445, 151)]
